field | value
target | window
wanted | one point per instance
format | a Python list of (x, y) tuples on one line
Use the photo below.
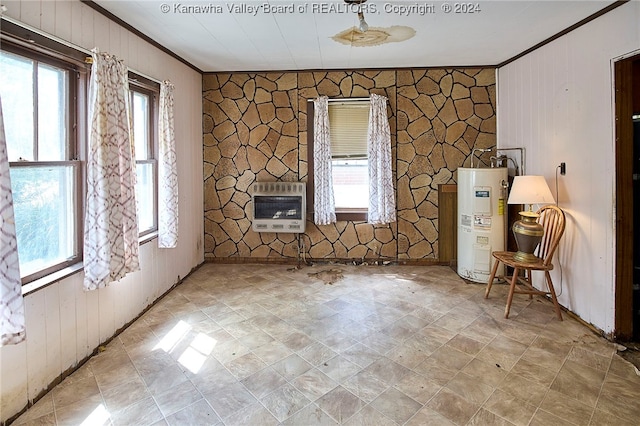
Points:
[(144, 98), (348, 124), (39, 95)]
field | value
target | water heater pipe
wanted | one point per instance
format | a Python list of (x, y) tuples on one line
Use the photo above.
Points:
[(522, 158), (473, 153)]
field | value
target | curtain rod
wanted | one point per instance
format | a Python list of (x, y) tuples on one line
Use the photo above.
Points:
[(68, 44)]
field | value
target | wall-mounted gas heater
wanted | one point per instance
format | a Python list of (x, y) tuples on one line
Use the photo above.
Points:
[(279, 206)]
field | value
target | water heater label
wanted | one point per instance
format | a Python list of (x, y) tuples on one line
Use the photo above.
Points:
[(482, 240), (465, 220), (482, 222), (482, 200)]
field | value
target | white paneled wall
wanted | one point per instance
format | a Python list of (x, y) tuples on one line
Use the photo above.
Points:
[(557, 103), (64, 323)]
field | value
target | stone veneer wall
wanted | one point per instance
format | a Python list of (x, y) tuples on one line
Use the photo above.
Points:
[(255, 129)]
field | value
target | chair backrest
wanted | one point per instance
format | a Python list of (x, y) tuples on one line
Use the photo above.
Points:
[(553, 221)]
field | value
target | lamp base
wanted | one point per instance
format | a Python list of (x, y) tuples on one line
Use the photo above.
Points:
[(528, 234), (521, 256)]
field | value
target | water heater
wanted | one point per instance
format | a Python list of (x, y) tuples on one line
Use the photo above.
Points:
[(482, 209)]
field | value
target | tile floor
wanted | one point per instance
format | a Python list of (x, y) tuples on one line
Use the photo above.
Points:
[(383, 345)]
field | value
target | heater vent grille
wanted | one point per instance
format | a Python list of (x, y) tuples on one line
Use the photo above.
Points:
[(279, 206)]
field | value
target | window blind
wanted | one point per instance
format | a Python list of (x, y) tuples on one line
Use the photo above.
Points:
[(348, 123)]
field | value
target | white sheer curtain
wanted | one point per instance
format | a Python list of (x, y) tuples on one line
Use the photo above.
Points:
[(12, 325), (382, 204), (110, 225), (324, 202), (167, 172)]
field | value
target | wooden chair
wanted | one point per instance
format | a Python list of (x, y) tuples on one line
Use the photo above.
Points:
[(552, 220)]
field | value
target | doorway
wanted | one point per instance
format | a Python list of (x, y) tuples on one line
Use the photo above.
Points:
[(627, 106), (636, 224)]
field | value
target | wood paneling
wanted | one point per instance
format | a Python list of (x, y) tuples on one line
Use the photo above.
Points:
[(65, 324), (447, 223), (557, 103)]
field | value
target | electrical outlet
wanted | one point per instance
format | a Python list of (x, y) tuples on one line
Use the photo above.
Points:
[(563, 168)]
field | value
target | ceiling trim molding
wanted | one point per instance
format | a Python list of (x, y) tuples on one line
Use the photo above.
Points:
[(565, 31), (137, 32), (457, 67)]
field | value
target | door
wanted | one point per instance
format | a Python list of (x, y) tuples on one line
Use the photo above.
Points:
[(627, 107), (636, 227)]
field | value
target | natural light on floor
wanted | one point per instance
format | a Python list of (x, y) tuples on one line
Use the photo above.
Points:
[(196, 354), (171, 339), (99, 416)]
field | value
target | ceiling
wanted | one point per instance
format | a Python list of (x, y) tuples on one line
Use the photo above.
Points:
[(299, 37)]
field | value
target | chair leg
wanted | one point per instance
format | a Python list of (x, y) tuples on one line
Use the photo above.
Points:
[(512, 288), (529, 280), (491, 278), (553, 295)]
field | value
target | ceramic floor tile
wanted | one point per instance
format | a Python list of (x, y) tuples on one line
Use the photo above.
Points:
[(365, 386), (264, 382), (502, 351), (254, 414), (470, 388), (274, 345), (43, 409), (509, 407), (339, 368), (292, 366), (177, 398), (317, 353), (314, 383), (67, 394), (340, 404), (284, 402), (311, 415), (453, 407), (245, 365), (524, 389), (579, 382), (427, 416), (619, 397), (544, 418), (567, 408), (198, 413), (84, 409), (387, 371), (230, 399), (125, 394), (485, 372), (144, 412), (396, 405)]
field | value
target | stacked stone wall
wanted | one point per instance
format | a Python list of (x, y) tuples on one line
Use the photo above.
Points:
[(255, 129)]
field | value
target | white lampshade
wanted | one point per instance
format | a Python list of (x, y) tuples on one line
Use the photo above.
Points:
[(530, 190)]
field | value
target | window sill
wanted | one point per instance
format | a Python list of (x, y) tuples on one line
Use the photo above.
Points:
[(47, 280), (352, 215), (54, 277)]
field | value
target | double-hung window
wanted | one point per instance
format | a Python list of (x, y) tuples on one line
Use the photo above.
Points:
[(348, 123), (39, 99), (348, 127), (144, 113)]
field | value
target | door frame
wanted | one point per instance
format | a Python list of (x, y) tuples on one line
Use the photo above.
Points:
[(624, 109)]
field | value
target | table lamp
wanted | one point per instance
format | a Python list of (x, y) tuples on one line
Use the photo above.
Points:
[(527, 231)]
